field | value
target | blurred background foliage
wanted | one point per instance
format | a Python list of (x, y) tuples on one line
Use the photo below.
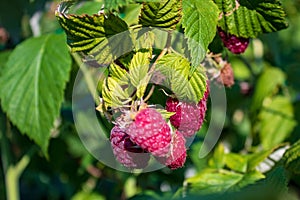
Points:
[(71, 172)]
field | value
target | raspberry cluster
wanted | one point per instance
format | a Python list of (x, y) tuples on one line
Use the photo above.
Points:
[(148, 133), (235, 44)]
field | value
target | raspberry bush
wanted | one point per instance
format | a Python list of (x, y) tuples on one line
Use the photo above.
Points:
[(147, 99)]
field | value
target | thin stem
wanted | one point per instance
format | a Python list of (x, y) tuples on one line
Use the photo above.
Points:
[(136, 26), (150, 93), (163, 52), (12, 172), (12, 178)]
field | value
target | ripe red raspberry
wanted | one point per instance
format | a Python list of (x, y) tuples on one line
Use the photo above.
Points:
[(235, 44), (125, 151), (177, 155), (151, 132), (188, 117)]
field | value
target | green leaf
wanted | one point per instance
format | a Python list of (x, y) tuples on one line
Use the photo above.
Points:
[(130, 187), (87, 7), (139, 67), (236, 162), (32, 85), (138, 72), (115, 4), (3, 59), (117, 90), (85, 32), (164, 14), (266, 86), (291, 158), (274, 186), (113, 94), (247, 19), (211, 181), (276, 121), (130, 14), (109, 100), (176, 70), (119, 74), (144, 38), (165, 113), (112, 48), (199, 20), (87, 196), (256, 158), (218, 159)]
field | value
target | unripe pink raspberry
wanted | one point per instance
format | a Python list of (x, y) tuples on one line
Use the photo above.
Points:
[(188, 117), (151, 132), (235, 44), (226, 77), (125, 151)]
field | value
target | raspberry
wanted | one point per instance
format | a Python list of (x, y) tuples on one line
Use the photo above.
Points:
[(125, 151), (235, 44), (226, 76), (177, 156), (188, 117), (151, 132)]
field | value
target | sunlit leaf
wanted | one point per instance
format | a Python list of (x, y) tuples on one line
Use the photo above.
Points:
[(176, 69), (236, 162), (119, 74), (164, 14), (101, 37), (139, 67), (113, 94), (218, 159), (85, 32), (211, 181), (116, 89)]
